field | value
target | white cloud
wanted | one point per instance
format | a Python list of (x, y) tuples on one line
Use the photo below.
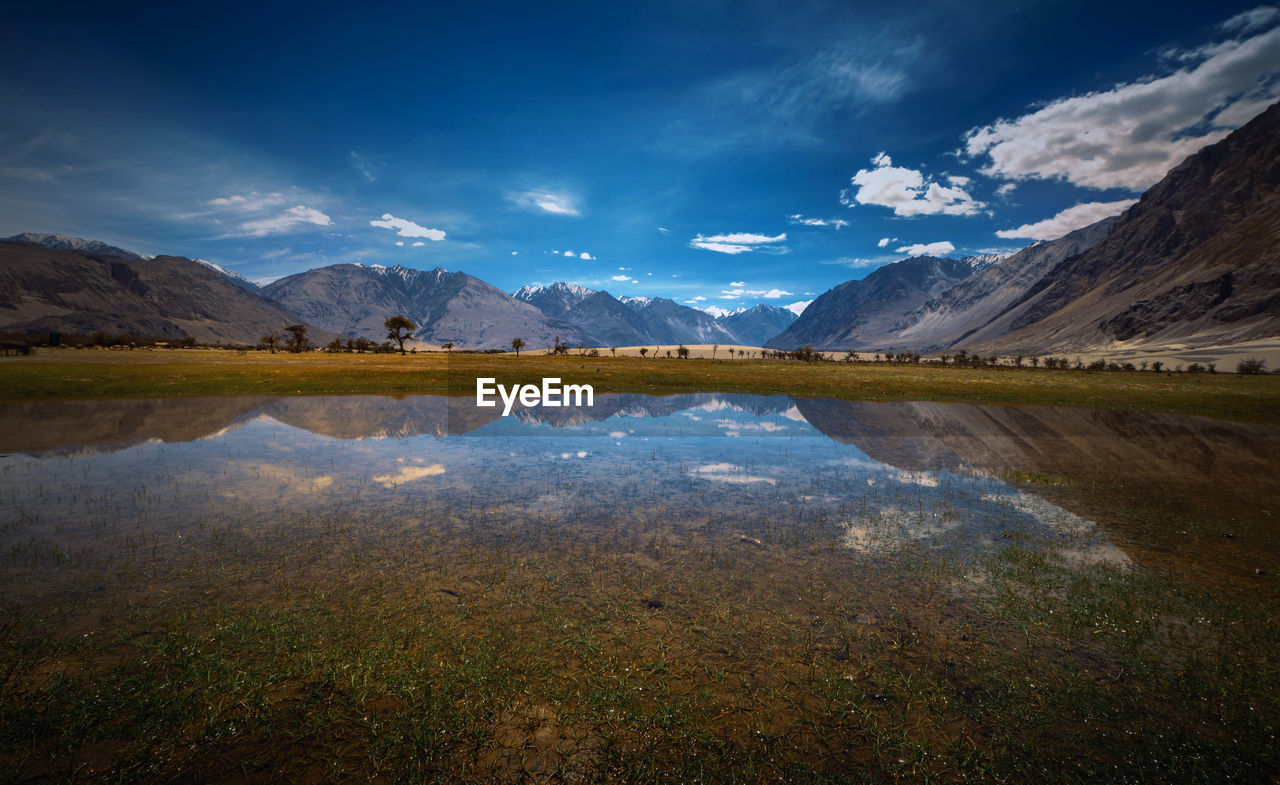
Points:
[(697, 299), (737, 283), (928, 249), (569, 253), (664, 230), (1068, 220), (838, 223), (1006, 189), (587, 256), (622, 278), (400, 243), (251, 202), (547, 201), (1130, 135), (738, 291), (797, 308), (419, 244), (884, 241), (515, 253), (857, 262), (1255, 19), (409, 474), (739, 242), (406, 228), (291, 218), (907, 191)]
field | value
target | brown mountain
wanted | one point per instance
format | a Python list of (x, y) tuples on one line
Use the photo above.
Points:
[(355, 299), (1195, 262), (80, 292)]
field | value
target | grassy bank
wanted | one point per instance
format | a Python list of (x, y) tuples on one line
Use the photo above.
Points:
[(67, 374)]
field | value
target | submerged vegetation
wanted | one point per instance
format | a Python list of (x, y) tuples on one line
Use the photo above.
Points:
[(103, 374), (581, 627)]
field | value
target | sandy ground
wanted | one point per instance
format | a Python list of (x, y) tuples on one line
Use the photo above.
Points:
[(1224, 357)]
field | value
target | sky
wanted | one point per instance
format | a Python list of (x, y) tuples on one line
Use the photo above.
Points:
[(721, 154)]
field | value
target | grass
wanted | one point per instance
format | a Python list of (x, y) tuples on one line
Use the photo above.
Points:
[(70, 374)]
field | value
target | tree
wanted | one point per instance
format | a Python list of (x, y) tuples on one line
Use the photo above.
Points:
[(399, 329), (682, 352), (643, 351), (517, 344), (269, 341), (560, 347), (335, 346), (297, 337), (1252, 366), (714, 349)]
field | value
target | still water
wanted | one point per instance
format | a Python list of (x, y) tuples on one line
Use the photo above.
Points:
[(718, 587), (873, 477)]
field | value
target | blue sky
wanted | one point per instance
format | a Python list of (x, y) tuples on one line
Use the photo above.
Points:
[(721, 154)]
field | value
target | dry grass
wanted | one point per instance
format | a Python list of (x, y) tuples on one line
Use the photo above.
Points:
[(130, 374)]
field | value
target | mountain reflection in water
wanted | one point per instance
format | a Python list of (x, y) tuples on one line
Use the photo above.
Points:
[(873, 475)]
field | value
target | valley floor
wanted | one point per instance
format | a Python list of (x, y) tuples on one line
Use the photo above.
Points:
[(88, 373)]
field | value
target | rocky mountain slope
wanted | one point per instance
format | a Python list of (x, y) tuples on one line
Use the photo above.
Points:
[(862, 314), (983, 304), (355, 299), (628, 321), (1195, 262), (77, 292), (756, 326), (62, 242)]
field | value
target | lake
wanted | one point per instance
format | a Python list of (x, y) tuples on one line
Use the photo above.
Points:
[(741, 585)]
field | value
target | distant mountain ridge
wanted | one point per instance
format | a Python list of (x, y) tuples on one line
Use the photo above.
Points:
[(76, 291), (62, 242), (447, 307), (627, 321), (862, 314)]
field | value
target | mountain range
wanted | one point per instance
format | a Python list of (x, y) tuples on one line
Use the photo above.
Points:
[(1195, 262)]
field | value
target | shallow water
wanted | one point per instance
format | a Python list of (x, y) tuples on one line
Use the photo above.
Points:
[(795, 585), (873, 477)]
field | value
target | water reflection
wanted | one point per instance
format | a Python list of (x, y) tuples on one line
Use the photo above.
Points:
[(872, 476)]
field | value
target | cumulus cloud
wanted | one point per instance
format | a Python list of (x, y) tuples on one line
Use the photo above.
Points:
[(1006, 189), (838, 223), (547, 201), (406, 228), (797, 308), (928, 249), (738, 242), (1132, 134), (884, 241), (622, 278), (1068, 220), (419, 244), (907, 191), (289, 219), (587, 256)]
